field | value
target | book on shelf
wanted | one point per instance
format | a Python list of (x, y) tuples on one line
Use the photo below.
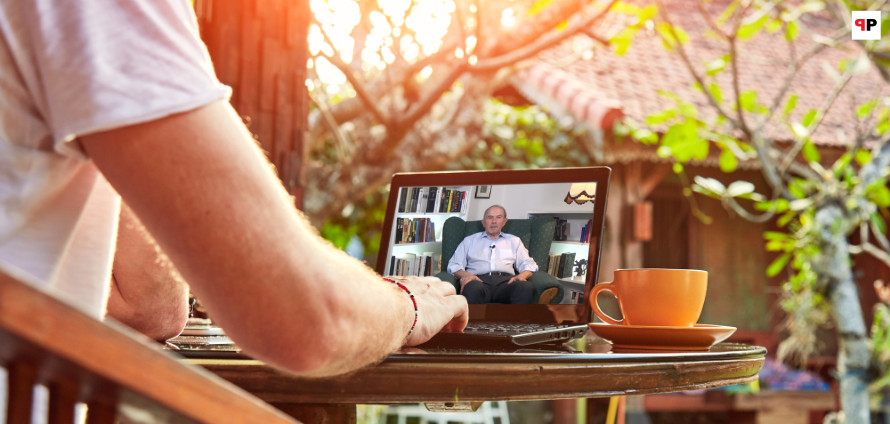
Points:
[(431, 198), (412, 264), (560, 265), (577, 297), (414, 230), (553, 264), (567, 262)]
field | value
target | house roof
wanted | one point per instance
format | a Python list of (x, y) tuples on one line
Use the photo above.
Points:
[(631, 83)]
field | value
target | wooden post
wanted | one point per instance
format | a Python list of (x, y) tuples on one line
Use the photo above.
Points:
[(259, 48)]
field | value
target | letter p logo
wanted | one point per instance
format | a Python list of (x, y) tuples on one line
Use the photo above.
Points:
[(867, 25)]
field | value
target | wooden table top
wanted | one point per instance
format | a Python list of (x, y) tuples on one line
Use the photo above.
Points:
[(451, 376)]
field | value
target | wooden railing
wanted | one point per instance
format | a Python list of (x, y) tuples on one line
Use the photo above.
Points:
[(119, 374)]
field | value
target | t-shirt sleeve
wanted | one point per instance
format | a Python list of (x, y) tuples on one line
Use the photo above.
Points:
[(105, 64)]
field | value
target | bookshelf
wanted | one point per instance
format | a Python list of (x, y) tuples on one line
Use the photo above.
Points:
[(416, 237), (573, 248)]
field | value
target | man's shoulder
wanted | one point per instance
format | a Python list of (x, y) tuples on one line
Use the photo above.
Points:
[(475, 235), (509, 236)]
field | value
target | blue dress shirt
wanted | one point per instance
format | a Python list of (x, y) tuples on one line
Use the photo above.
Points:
[(478, 254)]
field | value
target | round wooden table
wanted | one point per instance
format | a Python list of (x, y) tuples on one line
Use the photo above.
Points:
[(449, 378)]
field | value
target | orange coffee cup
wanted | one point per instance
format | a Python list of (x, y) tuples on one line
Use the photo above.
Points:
[(655, 296)]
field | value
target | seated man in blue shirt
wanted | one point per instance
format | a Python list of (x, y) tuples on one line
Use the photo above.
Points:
[(486, 264)]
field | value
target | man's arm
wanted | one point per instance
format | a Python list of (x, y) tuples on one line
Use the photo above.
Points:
[(522, 276), (147, 293), (458, 263), (524, 262), (210, 198)]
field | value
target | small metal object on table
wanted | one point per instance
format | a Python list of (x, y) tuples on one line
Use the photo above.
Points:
[(452, 379)]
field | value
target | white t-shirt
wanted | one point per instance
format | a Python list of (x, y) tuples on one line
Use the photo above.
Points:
[(69, 68)]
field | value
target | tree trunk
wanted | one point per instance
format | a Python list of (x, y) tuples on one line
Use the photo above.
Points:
[(260, 50), (834, 264)]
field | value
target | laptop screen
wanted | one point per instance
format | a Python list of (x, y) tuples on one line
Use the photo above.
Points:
[(558, 214)]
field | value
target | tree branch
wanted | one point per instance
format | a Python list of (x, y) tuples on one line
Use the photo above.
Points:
[(820, 116), (796, 66), (359, 88), (872, 250), (547, 40), (691, 68)]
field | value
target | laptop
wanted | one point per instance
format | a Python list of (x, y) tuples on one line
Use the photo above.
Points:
[(573, 199)]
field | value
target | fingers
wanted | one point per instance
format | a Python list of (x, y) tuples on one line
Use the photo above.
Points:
[(420, 285), (439, 308), (459, 314)]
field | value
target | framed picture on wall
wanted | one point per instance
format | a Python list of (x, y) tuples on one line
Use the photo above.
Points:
[(483, 192)]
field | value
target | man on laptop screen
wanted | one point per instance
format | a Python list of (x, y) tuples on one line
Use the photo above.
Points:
[(557, 213), (485, 264)]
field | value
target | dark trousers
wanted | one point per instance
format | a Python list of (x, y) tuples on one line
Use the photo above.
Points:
[(494, 289)]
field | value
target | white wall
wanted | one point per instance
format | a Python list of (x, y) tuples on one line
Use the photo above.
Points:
[(522, 199)]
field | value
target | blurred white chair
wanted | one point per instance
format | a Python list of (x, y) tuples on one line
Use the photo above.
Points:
[(488, 413)]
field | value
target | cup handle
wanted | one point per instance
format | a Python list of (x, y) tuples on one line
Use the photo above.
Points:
[(596, 307)]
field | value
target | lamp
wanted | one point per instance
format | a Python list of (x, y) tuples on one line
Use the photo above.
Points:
[(581, 193)]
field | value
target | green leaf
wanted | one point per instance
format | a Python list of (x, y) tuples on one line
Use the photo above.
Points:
[(763, 206), (786, 218), (862, 156), (716, 93), (751, 29), (727, 13), (677, 168), (809, 117), (878, 222), (782, 205), (810, 152), (777, 265), (775, 246), (866, 108), (645, 136), (682, 35), (648, 13), (748, 100), (538, 7), (790, 105), (621, 42), (878, 193), (715, 66), (882, 127), (662, 117), (667, 37), (776, 235), (728, 161), (791, 30), (841, 164)]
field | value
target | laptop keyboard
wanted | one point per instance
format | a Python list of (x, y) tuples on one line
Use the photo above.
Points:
[(509, 328)]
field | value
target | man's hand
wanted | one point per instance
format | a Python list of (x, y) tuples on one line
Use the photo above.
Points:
[(438, 308), (465, 277), (522, 276)]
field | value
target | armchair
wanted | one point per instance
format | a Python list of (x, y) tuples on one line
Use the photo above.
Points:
[(536, 235)]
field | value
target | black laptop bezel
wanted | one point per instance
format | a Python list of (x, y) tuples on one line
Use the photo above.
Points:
[(514, 313)]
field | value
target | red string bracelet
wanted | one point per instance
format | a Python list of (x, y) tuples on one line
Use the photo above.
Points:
[(413, 301)]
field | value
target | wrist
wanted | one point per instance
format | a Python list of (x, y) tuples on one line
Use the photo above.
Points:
[(412, 305)]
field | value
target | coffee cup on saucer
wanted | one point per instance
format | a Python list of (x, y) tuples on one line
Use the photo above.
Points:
[(654, 297)]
